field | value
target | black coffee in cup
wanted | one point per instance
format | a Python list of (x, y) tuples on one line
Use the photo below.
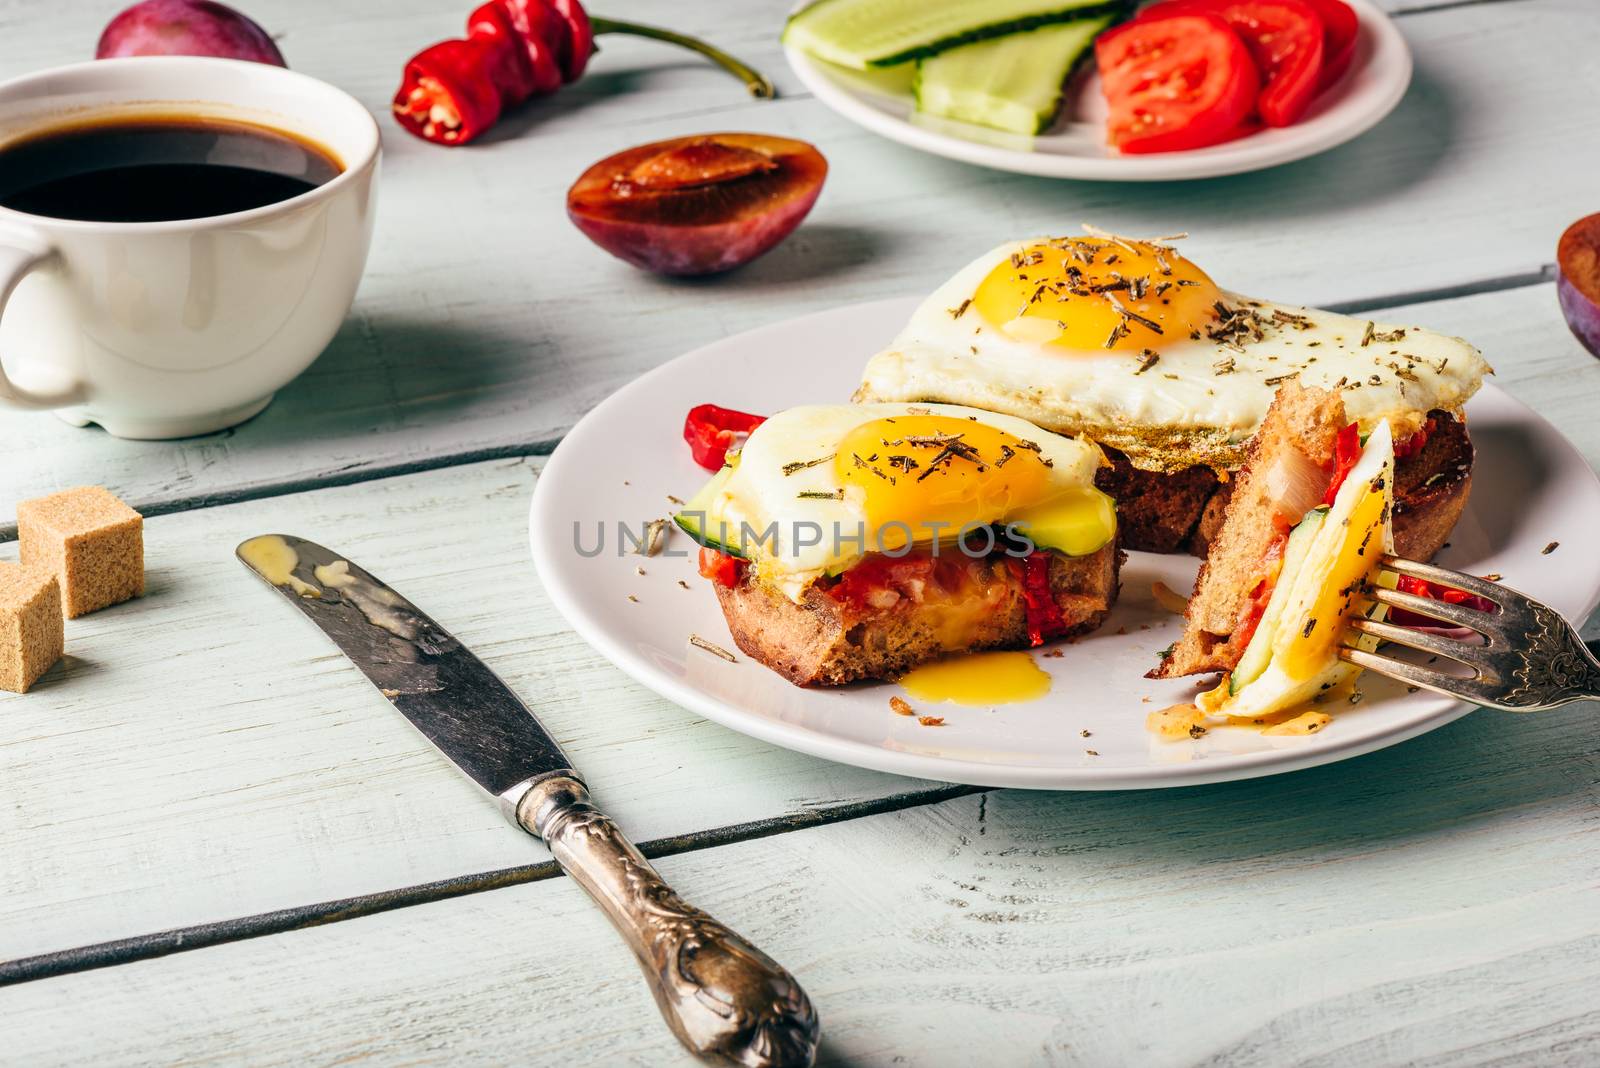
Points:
[(158, 169)]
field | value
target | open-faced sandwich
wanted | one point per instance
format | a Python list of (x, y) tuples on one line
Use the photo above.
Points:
[(1131, 345), (854, 541), (1293, 561)]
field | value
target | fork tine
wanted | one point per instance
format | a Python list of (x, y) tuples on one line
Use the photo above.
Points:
[(1472, 655), (1445, 577), (1459, 614), (1473, 689)]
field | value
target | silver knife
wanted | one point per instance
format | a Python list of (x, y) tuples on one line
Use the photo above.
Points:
[(728, 1002)]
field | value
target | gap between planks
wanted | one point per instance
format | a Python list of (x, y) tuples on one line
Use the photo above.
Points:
[(200, 936), (356, 474)]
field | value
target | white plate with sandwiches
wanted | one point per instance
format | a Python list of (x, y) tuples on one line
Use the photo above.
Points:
[(1123, 400), (1074, 145)]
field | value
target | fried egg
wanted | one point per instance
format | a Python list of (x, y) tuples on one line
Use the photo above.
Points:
[(1129, 343), (1292, 659), (816, 488)]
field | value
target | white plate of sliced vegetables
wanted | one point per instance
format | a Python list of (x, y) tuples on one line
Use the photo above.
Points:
[(1200, 88)]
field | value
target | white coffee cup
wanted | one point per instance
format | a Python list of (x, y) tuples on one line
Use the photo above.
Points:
[(168, 329)]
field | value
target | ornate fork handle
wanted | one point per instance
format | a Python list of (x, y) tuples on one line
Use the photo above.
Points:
[(1552, 666), (727, 1001)]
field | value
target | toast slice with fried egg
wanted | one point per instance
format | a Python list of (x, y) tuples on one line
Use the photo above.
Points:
[(919, 610), (854, 541), (1130, 344)]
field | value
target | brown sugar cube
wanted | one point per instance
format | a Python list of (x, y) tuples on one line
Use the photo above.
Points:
[(92, 542), (31, 629)]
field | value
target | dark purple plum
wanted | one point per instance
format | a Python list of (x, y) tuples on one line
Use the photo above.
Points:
[(697, 205), (1578, 280), (187, 28)]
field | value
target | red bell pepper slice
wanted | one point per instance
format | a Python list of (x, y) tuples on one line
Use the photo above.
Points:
[(1261, 592), (1415, 443), (1346, 451), (1401, 617), (711, 431), (1045, 620)]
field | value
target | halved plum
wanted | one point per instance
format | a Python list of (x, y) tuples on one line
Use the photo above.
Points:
[(1578, 280), (697, 205)]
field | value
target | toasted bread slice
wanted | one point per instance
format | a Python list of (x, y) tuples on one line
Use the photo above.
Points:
[(1156, 510), (1182, 510), (1431, 489), (1301, 421), (827, 641)]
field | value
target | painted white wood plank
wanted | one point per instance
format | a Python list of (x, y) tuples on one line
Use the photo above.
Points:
[(487, 323), (253, 769), (1431, 904), (206, 753)]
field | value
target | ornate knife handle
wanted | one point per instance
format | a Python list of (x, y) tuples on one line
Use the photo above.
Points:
[(728, 1002)]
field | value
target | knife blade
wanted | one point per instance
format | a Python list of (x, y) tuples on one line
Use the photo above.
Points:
[(447, 693), (726, 1001)]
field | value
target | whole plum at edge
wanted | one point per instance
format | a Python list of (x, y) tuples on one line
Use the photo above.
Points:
[(1578, 280), (187, 28)]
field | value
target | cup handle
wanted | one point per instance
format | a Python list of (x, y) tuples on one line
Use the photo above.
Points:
[(19, 254)]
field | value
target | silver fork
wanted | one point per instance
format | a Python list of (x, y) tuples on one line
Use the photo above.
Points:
[(1530, 658)]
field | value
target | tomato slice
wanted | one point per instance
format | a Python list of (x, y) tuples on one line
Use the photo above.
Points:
[(1339, 28), (1285, 37), (721, 568), (1174, 83)]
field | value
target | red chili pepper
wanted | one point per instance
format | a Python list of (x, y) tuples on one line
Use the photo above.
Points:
[(515, 49), (711, 431), (1346, 451), (721, 568), (1045, 620)]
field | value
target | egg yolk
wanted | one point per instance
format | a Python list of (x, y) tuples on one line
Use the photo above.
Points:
[(1093, 293), (924, 477), (1357, 557), (979, 679)]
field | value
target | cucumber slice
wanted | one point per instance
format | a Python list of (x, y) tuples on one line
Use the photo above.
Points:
[(1009, 83), (1258, 654), (699, 519), (881, 33)]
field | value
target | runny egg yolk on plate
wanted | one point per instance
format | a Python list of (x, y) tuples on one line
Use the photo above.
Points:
[(1133, 345), (993, 678), (1329, 562), (815, 489)]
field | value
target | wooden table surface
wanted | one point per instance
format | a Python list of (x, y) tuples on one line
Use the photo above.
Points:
[(218, 845)]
